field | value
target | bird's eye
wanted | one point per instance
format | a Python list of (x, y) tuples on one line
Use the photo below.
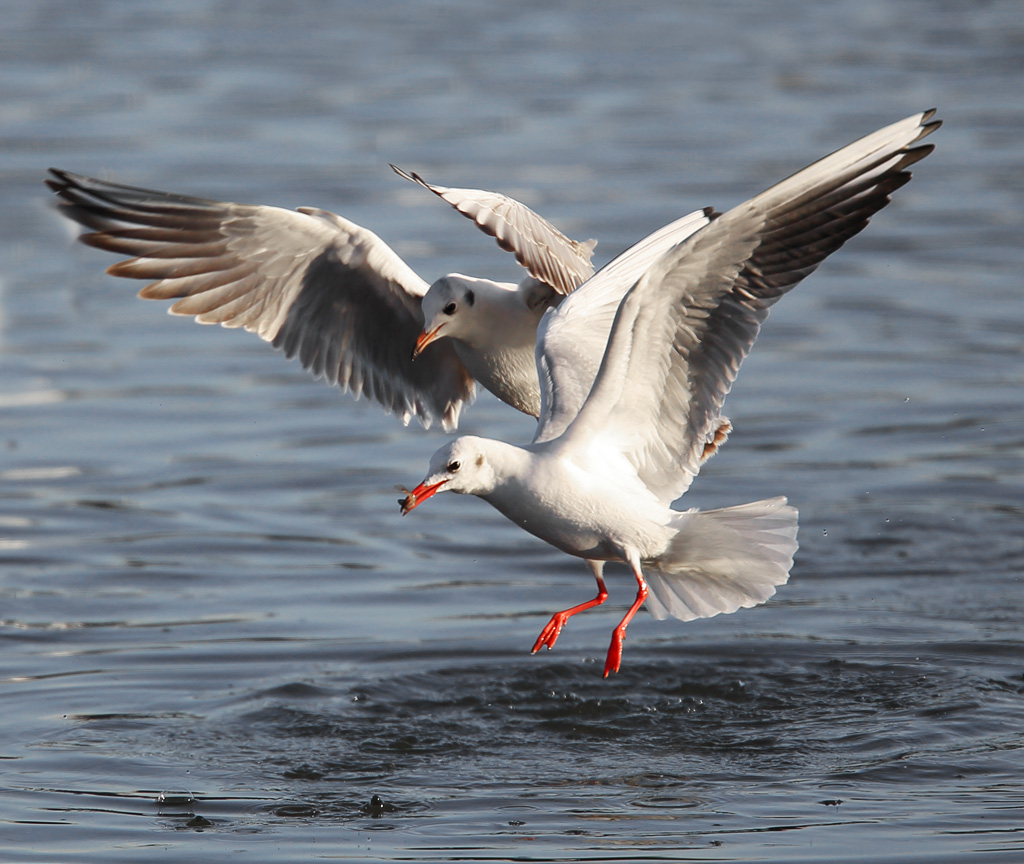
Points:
[(450, 309), (454, 466)]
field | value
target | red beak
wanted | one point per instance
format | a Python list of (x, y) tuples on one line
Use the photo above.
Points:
[(418, 495), (424, 339)]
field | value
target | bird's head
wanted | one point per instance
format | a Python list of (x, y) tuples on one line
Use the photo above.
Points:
[(451, 308), (460, 466)]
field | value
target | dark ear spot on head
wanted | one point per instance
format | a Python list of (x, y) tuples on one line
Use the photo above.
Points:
[(470, 297), (479, 460)]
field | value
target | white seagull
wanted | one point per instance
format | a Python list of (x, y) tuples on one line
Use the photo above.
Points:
[(611, 454), (317, 285)]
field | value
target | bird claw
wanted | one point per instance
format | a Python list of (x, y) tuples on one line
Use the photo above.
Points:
[(614, 658), (549, 635)]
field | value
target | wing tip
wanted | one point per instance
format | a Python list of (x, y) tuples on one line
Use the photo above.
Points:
[(927, 124), (413, 177)]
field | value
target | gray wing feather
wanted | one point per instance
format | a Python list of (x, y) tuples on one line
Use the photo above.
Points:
[(682, 331), (309, 282), (545, 252)]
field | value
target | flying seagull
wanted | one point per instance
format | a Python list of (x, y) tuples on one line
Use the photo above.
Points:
[(316, 285), (610, 454)]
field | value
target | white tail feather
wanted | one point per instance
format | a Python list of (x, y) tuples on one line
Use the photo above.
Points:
[(723, 560)]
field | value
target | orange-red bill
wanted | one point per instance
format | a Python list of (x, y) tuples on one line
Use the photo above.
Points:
[(418, 495), (424, 339)]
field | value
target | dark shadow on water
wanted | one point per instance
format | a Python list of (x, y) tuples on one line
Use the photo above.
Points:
[(752, 715)]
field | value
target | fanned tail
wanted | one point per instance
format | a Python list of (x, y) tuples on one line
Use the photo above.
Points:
[(723, 560)]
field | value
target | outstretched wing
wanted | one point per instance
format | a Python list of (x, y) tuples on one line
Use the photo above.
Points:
[(682, 331), (309, 282), (545, 252), (571, 341)]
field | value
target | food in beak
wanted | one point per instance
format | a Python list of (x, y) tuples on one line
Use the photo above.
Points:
[(418, 495)]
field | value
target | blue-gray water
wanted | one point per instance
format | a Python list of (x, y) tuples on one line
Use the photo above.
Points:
[(206, 589)]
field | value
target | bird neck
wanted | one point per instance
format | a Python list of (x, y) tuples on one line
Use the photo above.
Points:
[(507, 464)]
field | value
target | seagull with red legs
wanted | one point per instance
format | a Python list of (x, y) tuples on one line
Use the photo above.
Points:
[(613, 451)]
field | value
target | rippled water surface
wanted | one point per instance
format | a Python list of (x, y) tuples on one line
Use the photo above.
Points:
[(218, 637)]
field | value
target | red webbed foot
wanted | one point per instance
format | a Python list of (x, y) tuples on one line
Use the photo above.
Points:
[(614, 658), (549, 635)]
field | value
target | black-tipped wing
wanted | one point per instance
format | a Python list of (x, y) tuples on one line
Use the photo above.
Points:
[(682, 331), (545, 252), (309, 282)]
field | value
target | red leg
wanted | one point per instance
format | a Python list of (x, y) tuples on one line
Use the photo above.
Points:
[(614, 659), (549, 635)]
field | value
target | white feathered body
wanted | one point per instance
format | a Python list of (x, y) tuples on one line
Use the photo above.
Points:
[(697, 563), (554, 497), (506, 369)]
